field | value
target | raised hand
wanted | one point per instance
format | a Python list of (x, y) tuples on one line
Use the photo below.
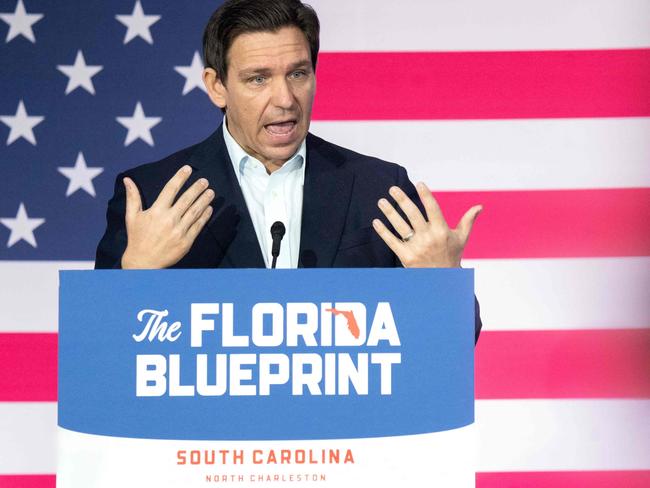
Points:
[(161, 235), (424, 243)]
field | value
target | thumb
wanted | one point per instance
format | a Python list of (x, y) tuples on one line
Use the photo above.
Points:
[(467, 222), (133, 200)]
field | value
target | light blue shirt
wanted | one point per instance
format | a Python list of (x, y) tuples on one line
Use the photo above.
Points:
[(271, 197)]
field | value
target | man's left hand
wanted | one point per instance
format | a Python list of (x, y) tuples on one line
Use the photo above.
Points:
[(424, 242)]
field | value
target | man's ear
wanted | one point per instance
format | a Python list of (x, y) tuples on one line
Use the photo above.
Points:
[(214, 86)]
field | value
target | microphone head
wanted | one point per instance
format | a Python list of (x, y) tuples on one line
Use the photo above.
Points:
[(277, 233), (278, 229)]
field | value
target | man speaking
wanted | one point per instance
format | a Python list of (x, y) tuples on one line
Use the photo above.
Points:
[(214, 204)]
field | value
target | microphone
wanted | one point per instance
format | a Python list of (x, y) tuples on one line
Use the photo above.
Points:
[(277, 233)]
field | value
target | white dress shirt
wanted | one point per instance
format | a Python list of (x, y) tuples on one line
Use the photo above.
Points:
[(271, 197)]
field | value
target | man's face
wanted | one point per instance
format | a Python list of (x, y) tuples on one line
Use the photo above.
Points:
[(268, 93)]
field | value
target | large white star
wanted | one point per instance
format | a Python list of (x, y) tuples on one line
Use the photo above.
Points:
[(139, 126), (79, 74), (20, 22), (80, 176), (21, 124), (193, 74), (138, 24), (21, 227)]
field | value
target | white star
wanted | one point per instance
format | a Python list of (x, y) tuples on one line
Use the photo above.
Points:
[(138, 24), (21, 124), (21, 227), (193, 74), (79, 74), (139, 126), (80, 176), (20, 22)]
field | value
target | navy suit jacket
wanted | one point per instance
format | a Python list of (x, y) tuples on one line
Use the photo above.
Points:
[(340, 197)]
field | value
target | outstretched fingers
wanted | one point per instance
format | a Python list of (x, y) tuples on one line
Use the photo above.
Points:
[(410, 209), (173, 186), (431, 207), (388, 237), (464, 227), (395, 219), (133, 200), (196, 209), (199, 223), (185, 201)]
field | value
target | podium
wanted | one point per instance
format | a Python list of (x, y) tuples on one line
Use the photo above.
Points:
[(309, 377)]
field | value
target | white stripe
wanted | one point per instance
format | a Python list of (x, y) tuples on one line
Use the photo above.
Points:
[(29, 294), (506, 154), (540, 435), (521, 435), (576, 293), (27, 438), (477, 25), (527, 294)]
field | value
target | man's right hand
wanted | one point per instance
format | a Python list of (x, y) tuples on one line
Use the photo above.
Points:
[(161, 235)]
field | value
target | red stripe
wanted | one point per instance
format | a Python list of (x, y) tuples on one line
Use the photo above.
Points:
[(509, 364), (28, 481), (563, 364), (563, 479), (554, 223), (29, 366), (482, 85)]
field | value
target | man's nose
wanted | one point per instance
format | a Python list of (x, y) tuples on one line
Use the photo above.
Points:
[(282, 96)]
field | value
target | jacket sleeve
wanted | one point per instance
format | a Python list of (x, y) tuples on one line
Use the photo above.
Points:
[(405, 184), (113, 243)]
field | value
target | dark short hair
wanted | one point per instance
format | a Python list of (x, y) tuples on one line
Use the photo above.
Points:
[(236, 17)]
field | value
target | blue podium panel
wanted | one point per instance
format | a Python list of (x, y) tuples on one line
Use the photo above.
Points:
[(266, 355)]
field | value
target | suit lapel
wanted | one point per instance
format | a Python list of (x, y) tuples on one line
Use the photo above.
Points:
[(231, 223), (326, 197)]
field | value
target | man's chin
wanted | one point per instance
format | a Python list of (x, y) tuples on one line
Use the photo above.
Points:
[(284, 149), (282, 154)]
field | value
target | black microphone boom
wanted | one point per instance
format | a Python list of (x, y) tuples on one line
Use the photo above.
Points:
[(277, 233)]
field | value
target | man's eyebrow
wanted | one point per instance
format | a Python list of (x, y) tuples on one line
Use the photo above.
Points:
[(303, 63), (253, 70), (264, 70)]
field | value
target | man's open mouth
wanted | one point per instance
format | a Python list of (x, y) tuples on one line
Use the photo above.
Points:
[(281, 128)]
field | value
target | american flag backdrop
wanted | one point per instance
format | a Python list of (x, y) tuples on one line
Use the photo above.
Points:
[(539, 110)]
